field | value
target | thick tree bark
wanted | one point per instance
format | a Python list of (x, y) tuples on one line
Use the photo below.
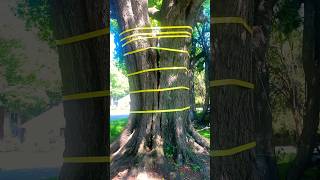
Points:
[(311, 66), (232, 108), (266, 164), (84, 68), (141, 147)]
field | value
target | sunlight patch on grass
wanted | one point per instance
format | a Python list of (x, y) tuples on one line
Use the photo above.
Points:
[(116, 128), (205, 133)]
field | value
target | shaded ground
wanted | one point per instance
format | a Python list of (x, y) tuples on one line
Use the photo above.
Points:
[(30, 174), (187, 171), (29, 160), (30, 166)]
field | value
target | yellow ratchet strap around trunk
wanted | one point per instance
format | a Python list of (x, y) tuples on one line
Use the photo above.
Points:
[(157, 69), (86, 95), (82, 37), (152, 28), (158, 33), (160, 90), (156, 48), (234, 82), (92, 159), (232, 20), (155, 37), (160, 111), (233, 151)]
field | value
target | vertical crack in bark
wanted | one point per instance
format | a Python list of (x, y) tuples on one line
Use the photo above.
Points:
[(158, 83)]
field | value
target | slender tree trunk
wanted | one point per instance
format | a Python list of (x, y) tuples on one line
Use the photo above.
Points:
[(297, 121), (84, 68), (311, 66), (193, 110), (142, 145), (2, 110), (206, 103), (266, 163), (232, 106)]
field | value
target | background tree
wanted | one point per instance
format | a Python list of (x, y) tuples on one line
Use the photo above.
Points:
[(199, 62), (232, 106), (22, 91), (287, 78), (311, 66), (263, 21), (84, 68), (149, 137), (118, 82)]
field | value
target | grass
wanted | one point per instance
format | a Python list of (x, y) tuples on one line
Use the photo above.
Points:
[(205, 133), (284, 165), (116, 128)]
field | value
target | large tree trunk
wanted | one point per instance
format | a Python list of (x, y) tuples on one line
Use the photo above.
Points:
[(232, 106), (266, 163), (143, 144), (84, 68), (311, 66)]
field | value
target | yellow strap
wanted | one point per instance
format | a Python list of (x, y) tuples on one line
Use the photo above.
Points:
[(232, 151), (157, 69), (161, 27), (159, 90), (232, 20), (235, 82), (86, 95), (156, 37), (82, 37), (92, 159), (160, 111), (157, 48), (158, 33)]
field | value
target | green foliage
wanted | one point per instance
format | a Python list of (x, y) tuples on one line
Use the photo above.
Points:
[(195, 167), (9, 61), (169, 151), (287, 17), (286, 80), (155, 3), (118, 82), (200, 49), (117, 56), (199, 88), (19, 92), (36, 14)]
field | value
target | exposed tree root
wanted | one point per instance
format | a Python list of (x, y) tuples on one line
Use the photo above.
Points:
[(198, 138), (133, 155)]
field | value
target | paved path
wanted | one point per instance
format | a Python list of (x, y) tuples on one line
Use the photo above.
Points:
[(30, 166)]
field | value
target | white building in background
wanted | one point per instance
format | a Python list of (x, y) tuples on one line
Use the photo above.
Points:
[(45, 131), (124, 103)]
